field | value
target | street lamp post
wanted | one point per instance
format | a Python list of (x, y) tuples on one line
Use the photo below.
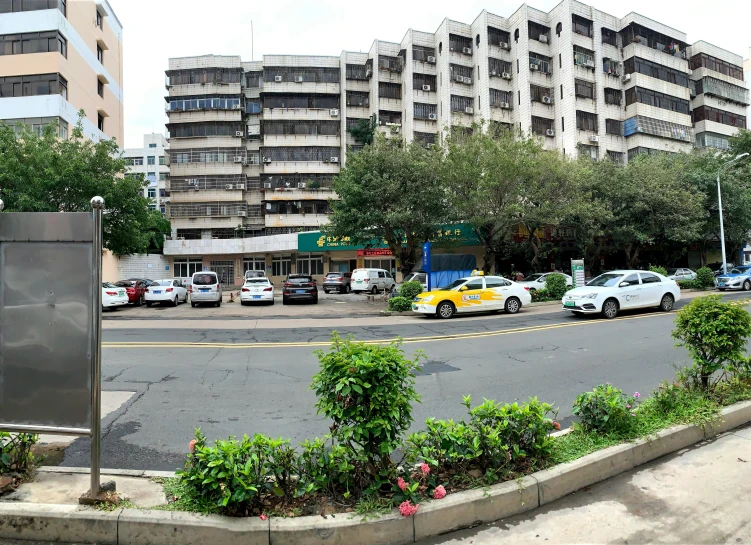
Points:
[(719, 206)]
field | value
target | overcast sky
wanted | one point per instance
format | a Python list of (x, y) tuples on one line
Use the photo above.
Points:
[(155, 30)]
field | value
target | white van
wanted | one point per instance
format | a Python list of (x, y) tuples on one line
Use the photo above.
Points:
[(205, 288), (372, 280)]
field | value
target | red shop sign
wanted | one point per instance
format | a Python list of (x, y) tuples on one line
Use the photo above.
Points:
[(371, 252)]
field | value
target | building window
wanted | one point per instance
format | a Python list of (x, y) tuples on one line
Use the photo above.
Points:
[(461, 103), (151, 160), (497, 37), (256, 263), (424, 111), (654, 70), (659, 100), (162, 176), (540, 63), (582, 26), (389, 90), (703, 60), (151, 176), (563, 124), (98, 19), (309, 74), (615, 156), (100, 87), (584, 57), (152, 193), (205, 103), (10, 6), (588, 151), (584, 89), (538, 32), (540, 125), (500, 99), (613, 126), (225, 270), (281, 265), (419, 53), (419, 81), (721, 89), (152, 145), (613, 96), (540, 94), (309, 264), (33, 42), (162, 160), (559, 29), (609, 37), (99, 54), (100, 122), (707, 113), (586, 121)]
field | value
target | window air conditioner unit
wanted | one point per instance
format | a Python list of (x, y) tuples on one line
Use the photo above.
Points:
[(504, 45), (431, 59), (467, 50), (278, 79), (494, 72), (237, 106), (534, 67), (239, 134), (544, 38), (469, 110), (594, 138), (459, 78), (238, 159), (240, 186), (266, 160), (267, 185), (242, 213), (334, 112), (626, 77), (550, 132), (301, 185), (639, 129), (334, 160), (589, 63), (426, 87), (546, 100), (298, 79), (468, 81), (432, 117), (505, 105), (229, 186), (506, 75)]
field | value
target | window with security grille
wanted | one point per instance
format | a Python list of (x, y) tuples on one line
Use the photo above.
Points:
[(460, 103), (541, 63), (497, 36), (613, 96), (500, 99), (420, 80), (356, 71), (301, 153), (657, 127), (459, 71), (458, 43), (424, 111), (615, 156), (497, 67), (308, 74), (389, 90), (390, 64), (586, 121), (421, 53), (582, 26), (358, 99), (584, 89), (540, 125), (584, 57), (425, 138), (301, 127), (614, 126), (541, 94)]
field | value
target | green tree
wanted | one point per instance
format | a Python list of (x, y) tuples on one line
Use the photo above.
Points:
[(393, 193), (42, 173), (365, 130)]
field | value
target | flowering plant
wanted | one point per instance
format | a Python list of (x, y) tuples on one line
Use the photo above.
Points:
[(411, 488), (607, 409)]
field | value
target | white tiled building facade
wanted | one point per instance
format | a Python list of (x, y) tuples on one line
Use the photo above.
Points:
[(151, 161), (254, 145)]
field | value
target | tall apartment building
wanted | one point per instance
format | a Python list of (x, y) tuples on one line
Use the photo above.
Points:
[(60, 56), (254, 145), (151, 162)]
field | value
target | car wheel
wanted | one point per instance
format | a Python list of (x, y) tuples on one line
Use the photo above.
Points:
[(513, 305), (326, 291), (285, 301), (272, 303), (175, 302), (243, 303), (610, 309), (445, 310), (139, 301), (666, 303), (192, 304), (148, 303), (218, 304), (315, 301), (746, 285), (347, 288), (374, 290)]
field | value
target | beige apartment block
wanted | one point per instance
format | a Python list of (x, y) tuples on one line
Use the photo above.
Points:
[(58, 57)]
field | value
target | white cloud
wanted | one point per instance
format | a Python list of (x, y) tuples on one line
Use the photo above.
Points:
[(155, 30)]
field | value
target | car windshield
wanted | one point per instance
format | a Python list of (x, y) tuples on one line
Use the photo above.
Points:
[(333, 275), (108, 285), (736, 271), (257, 281), (607, 280), (300, 279), (125, 284), (532, 277), (672, 271), (455, 284), (205, 280)]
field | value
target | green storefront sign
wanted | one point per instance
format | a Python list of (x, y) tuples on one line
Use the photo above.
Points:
[(459, 234)]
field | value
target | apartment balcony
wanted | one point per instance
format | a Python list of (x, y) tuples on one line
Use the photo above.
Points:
[(197, 169), (654, 55), (306, 87), (424, 68), (719, 103), (427, 97), (296, 220), (293, 194), (389, 77), (209, 195), (646, 82), (301, 140), (541, 79), (195, 116), (389, 104), (196, 89), (204, 223), (656, 113), (582, 41), (205, 142), (703, 72), (308, 114), (425, 125), (361, 112), (500, 52), (539, 109), (735, 93), (715, 127), (357, 85), (501, 115), (300, 167)]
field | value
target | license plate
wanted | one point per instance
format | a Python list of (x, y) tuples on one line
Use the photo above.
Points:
[(157, 291), (569, 304), (205, 291), (300, 291), (358, 281), (256, 297), (121, 293), (721, 284)]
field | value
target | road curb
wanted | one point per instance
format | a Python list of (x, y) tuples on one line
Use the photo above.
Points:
[(76, 524)]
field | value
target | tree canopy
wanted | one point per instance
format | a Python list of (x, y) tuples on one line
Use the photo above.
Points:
[(43, 173)]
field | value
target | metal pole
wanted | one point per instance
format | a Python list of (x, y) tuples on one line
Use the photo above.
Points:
[(97, 206), (722, 227)]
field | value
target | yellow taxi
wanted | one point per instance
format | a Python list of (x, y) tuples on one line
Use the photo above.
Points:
[(476, 293)]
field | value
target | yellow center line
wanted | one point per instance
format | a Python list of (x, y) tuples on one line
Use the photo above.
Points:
[(410, 340)]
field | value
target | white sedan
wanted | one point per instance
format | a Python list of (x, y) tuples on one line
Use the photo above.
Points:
[(113, 297), (168, 290), (257, 290), (536, 281), (614, 291)]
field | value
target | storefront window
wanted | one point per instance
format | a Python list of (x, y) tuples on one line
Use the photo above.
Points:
[(254, 264), (184, 268), (310, 264), (280, 265)]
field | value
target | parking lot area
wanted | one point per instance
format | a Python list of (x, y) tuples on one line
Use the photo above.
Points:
[(329, 305)]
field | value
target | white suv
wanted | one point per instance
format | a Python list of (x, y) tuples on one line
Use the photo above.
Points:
[(371, 280), (205, 288)]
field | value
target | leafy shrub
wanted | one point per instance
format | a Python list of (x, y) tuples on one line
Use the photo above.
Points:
[(236, 475), (606, 409), (715, 334), (705, 277), (658, 269), (538, 296), (400, 304), (15, 452), (410, 290), (368, 391), (324, 468), (669, 396), (555, 285), (688, 284)]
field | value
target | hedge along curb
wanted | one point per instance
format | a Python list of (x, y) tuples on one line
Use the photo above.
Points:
[(74, 524)]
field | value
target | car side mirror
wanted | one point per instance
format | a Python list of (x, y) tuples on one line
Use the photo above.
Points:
[(624, 285), (463, 288)]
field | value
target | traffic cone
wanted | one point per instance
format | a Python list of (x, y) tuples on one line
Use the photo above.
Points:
[(231, 297)]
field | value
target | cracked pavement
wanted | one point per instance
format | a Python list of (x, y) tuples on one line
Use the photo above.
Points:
[(231, 392)]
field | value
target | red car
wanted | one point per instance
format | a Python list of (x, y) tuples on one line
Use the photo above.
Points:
[(136, 289)]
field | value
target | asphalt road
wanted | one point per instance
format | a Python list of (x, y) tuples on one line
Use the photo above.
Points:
[(256, 381)]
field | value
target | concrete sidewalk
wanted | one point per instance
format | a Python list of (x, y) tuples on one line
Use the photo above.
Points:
[(697, 495)]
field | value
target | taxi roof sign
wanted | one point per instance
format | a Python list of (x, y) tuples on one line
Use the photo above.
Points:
[(477, 273)]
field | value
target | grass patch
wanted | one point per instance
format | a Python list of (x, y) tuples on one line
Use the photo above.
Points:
[(181, 497)]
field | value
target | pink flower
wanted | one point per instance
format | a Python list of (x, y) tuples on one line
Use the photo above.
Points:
[(439, 492), (263, 517), (556, 425), (637, 395), (633, 414), (628, 405), (407, 509), (425, 468), (401, 484), (192, 445)]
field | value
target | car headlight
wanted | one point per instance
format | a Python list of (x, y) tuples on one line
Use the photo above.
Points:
[(427, 299), (589, 296)]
